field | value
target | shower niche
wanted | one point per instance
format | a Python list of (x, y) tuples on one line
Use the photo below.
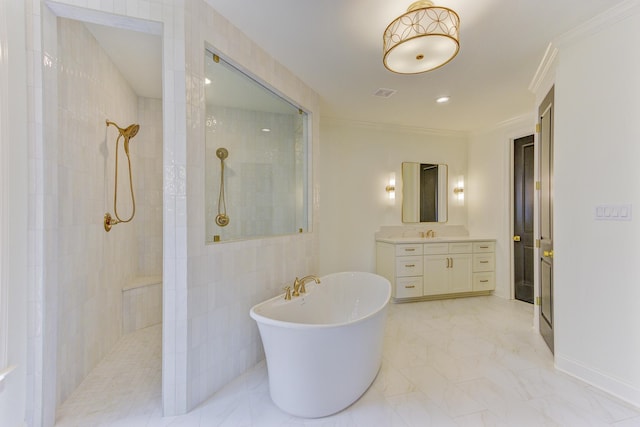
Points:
[(256, 157)]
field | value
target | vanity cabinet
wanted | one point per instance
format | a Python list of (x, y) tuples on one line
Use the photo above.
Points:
[(437, 270)]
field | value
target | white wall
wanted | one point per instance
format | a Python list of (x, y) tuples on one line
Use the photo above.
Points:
[(13, 209), (260, 172), (597, 150), (356, 160), (226, 279), (164, 18), (93, 266), (489, 193), (148, 151)]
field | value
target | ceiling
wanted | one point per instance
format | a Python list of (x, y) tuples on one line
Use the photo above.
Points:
[(335, 47), (136, 54)]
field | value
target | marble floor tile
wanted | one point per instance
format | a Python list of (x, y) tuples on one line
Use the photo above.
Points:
[(460, 362)]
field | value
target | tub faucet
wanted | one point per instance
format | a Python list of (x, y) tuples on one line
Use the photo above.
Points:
[(298, 284), (430, 233)]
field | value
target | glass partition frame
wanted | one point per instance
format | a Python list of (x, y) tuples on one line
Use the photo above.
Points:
[(263, 185)]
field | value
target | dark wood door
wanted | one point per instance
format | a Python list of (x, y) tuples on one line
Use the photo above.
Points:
[(428, 192), (523, 239), (545, 113)]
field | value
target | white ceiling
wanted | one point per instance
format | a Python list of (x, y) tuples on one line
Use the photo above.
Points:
[(137, 54), (335, 46)]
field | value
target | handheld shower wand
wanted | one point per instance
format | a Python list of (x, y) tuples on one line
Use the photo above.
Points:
[(126, 133)]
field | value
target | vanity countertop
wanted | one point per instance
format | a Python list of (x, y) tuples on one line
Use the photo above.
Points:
[(443, 239)]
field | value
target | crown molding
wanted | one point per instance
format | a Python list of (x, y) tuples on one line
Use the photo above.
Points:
[(392, 127), (516, 124), (546, 68), (598, 23), (604, 20)]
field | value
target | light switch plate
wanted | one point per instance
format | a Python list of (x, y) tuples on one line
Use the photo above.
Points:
[(613, 212)]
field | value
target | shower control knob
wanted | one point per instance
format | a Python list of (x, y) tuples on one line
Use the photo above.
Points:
[(222, 220)]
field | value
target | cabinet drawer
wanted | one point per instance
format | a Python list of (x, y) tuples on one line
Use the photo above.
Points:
[(484, 281), (460, 248), (409, 249), (479, 247), (408, 266), (484, 262), (409, 287), (436, 248)]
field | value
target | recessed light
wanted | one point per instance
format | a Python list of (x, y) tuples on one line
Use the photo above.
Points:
[(207, 81), (265, 130), (442, 99)]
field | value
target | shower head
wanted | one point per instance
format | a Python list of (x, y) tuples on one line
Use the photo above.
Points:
[(129, 132)]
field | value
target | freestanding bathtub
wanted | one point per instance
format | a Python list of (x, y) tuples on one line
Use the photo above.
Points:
[(324, 348)]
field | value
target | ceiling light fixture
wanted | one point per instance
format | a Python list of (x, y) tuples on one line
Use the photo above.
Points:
[(424, 38), (442, 99)]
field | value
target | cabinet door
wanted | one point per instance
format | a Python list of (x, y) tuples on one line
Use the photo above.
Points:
[(460, 272), (436, 274)]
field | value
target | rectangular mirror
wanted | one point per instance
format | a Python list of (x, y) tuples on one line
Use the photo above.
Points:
[(424, 192), (256, 171)]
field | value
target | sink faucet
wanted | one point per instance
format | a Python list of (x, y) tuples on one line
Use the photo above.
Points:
[(298, 284)]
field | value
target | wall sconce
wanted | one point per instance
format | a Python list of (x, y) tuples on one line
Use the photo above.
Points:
[(459, 189), (391, 187)]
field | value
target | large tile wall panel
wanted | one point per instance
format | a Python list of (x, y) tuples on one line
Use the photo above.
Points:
[(226, 279), (93, 266)]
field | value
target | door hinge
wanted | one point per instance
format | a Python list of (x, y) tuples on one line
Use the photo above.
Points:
[(537, 243), (537, 300), (537, 127), (538, 185)]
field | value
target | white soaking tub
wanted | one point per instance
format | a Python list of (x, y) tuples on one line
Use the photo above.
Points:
[(324, 347)]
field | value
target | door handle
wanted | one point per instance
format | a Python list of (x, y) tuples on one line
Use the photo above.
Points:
[(516, 238), (548, 254)]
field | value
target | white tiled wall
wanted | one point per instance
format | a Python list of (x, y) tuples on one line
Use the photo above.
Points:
[(141, 303), (208, 337), (260, 172), (226, 279), (93, 265), (148, 144), (164, 17)]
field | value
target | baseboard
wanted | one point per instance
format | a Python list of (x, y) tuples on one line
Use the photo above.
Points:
[(614, 386)]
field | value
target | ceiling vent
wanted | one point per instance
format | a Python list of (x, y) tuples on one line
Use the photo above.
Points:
[(384, 93)]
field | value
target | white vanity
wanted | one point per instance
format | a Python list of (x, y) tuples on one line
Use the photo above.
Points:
[(434, 268)]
